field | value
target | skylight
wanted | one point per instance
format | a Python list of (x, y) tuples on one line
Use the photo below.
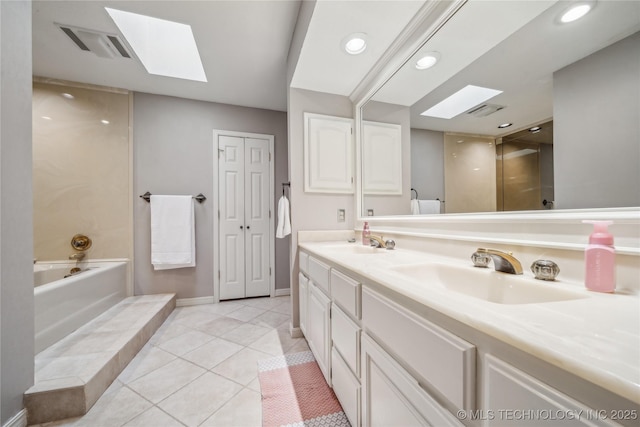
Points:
[(165, 48), (461, 101)]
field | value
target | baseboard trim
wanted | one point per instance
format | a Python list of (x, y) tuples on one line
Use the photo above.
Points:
[(283, 292), (185, 302), (18, 420), (295, 332)]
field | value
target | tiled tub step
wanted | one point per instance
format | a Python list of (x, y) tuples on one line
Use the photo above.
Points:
[(73, 373)]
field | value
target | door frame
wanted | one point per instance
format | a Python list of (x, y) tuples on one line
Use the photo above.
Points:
[(216, 209)]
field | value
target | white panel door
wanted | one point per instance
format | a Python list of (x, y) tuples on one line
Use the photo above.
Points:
[(381, 158), (256, 213), (244, 238), (232, 217)]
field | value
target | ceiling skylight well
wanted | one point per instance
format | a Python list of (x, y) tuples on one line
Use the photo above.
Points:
[(165, 48), (461, 101)]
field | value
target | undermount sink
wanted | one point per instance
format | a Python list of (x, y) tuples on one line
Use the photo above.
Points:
[(487, 285), (357, 249)]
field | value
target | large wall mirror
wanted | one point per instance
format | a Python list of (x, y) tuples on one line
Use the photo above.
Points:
[(520, 112)]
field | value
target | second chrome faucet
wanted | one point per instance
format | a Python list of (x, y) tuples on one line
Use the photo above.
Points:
[(502, 261)]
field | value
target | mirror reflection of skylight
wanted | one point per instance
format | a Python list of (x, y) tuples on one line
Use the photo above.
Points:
[(461, 101), (165, 48)]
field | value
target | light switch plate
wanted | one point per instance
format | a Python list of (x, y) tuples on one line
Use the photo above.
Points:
[(341, 215)]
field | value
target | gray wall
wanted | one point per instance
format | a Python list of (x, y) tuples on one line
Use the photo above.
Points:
[(16, 224), (312, 211), (427, 163), (173, 154), (596, 109)]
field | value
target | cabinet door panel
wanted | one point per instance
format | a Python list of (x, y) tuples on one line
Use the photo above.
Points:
[(328, 154), (319, 329), (391, 397), (381, 158)]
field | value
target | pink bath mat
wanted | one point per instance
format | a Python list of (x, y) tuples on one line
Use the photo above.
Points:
[(295, 394)]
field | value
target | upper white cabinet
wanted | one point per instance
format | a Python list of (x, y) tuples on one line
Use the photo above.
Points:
[(381, 158), (328, 154)]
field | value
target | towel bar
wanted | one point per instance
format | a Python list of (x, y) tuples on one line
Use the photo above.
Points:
[(147, 197)]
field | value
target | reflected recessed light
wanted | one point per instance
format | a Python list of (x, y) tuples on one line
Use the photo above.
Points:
[(575, 12), (504, 125), (165, 48), (464, 99), (68, 95), (535, 129), (47, 118), (428, 60), (355, 44), (104, 122), (476, 169)]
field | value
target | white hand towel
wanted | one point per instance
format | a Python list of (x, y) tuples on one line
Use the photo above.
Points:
[(284, 223), (415, 207), (173, 240), (429, 207)]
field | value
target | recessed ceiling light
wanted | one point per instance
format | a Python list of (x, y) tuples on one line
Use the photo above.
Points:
[(165, 48), (428, 60), (535, 129), (355, 44), (464, 99), (46, 118), (576, 12), (68, 96), (104, 122), (504, 125)]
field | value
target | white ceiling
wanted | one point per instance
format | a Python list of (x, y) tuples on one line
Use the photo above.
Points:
[(243, 44), (520, 60)]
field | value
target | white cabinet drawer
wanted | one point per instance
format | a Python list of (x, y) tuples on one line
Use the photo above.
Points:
[(392, 397), (303, 262), (346, 338), (319, 274), (346, 387), (443, 360), (346, 293), (509, 393)]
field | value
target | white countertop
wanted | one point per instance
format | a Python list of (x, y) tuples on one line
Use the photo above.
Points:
[(596, 337)]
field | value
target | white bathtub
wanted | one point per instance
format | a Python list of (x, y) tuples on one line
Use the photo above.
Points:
[(62, 305)]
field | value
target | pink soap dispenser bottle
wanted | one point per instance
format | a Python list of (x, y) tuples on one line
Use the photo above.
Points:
[(600, 267), (366, 233)]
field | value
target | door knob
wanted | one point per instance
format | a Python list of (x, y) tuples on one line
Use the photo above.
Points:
[(241, 227), (248, 227)]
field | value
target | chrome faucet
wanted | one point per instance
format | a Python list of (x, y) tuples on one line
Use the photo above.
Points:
[(379, 242), (78, 256), (502, 261)]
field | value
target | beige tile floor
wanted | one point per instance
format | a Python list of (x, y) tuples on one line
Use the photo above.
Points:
[(199, 368)]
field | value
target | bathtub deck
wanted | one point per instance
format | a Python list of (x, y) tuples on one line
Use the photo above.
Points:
[(73, 373)]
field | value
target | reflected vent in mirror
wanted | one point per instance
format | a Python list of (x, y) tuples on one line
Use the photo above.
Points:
[(483, 110), (101, 44)]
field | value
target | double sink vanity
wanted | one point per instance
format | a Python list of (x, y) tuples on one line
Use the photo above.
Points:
[(406, 337)]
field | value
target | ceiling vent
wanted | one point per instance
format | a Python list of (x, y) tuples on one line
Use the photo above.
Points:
[(101, 44), (483, 110)]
